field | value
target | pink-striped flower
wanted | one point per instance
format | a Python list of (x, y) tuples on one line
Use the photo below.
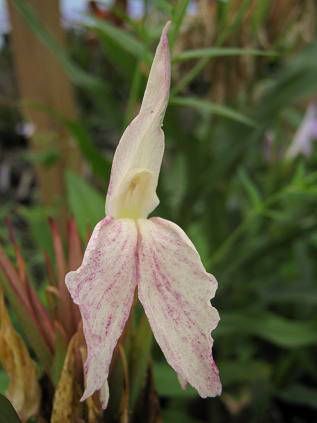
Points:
[(128, 251)]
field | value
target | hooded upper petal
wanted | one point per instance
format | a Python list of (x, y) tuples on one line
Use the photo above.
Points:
[(175, 291), (103, 287), (138, 157)]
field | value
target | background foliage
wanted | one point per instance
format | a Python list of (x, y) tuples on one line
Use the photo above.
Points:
[(241, 84)]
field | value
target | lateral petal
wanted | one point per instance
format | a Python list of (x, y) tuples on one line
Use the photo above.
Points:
[(103, 287), (175, 291), (141, 147)]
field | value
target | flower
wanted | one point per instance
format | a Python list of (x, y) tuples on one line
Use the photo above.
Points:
[(305, 135), (128, 251)]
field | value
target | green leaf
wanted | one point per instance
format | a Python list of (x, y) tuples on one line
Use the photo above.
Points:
[(167, 384), (212, 108), (140, 358), (260, 14), (77, 75), (220, 52), (234, 25), (7, 411), (174, 180), (233, 372), (37, 219), (270, 327), (60, 351), (178, 416), (4, 381), (250, 187), (179, 14), (197, 234), (163, 5), (99, 164), (31, 331), (300, 394), (85, 203), (123, 39), (295, 81), (137, 81), (299, 295)]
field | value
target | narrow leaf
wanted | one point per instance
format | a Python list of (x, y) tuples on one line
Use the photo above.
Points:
[(212, 108), (85, 203), (278, 330), (26, 319), (140, 358), (220, 52), (167, 384), (8, 413), (301, 395), (178, 16), (122, 39), (99, 164)]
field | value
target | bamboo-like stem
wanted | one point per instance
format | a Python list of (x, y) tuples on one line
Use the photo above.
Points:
[(41, 80)]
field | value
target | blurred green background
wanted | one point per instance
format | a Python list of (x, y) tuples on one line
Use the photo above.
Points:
[(243, 75)]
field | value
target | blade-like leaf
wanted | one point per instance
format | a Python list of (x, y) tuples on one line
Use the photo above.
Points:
[(295, 81), (301, 395), (27, 321), (167, 384), (140, 356), (220, 52), (123, 40), (7, 411), (212, 108), (278, 330), (233, 372), (99, 164), (179, 13), (85, 203)]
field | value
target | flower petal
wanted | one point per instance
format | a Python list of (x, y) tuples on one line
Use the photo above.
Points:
[(103, 287), (141, 147), (175, 291), (305, 135)]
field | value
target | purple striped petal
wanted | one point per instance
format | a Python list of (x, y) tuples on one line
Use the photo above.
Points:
[(103, 287), (175, 291)]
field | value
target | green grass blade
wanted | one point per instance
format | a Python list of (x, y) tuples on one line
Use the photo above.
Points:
[(277, 330), (85, 203), (123, 40), (100, 165), (220, 52), (179, 14), (28, 326), (212, 108)]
